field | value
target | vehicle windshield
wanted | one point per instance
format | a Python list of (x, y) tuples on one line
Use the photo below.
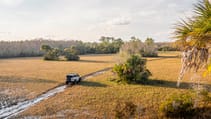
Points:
[(69, 76)]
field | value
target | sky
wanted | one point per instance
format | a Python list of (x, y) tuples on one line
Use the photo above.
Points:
[(88, 20)]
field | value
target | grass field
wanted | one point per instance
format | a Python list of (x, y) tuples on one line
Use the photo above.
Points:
[(25, 78), (98, 96)]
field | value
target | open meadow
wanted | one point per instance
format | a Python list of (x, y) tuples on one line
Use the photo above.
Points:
[(105, 59), (26, 78), (96, 97)]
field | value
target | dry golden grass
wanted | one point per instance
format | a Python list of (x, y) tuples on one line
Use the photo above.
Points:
[(36, 76), (97, 97)]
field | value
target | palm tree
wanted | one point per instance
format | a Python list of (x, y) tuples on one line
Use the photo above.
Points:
[(196, 31), (194, 35)]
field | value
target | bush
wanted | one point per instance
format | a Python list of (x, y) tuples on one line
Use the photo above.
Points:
[(71, 57), (179, 106), (149, 54), (71, 54), (133, 70), (136, 46), (52, 54), (167, 48), (125, 110)]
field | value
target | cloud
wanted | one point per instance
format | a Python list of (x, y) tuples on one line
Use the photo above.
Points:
[(11, 3), (110, 24), (89, 20), (119, 21), (5, 33), (147, 13)]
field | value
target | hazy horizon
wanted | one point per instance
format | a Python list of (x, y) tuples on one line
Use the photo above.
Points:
[(89, 20)]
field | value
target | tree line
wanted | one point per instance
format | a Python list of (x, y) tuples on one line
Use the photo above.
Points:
[(29, 48), (32, 48)]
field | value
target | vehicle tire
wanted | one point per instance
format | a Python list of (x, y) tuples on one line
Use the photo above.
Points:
[(79, 79), (66, 82)]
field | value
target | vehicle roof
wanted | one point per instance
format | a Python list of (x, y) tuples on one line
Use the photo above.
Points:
[(72, 74)]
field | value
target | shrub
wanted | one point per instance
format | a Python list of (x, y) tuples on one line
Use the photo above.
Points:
[(52, 54), (205, 97), (136, 46), (202, 104), (70, 57), (125, 110), (167, 48), (179, 106), (149, 54), (150, 49), (71, 54), (133, 70)]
